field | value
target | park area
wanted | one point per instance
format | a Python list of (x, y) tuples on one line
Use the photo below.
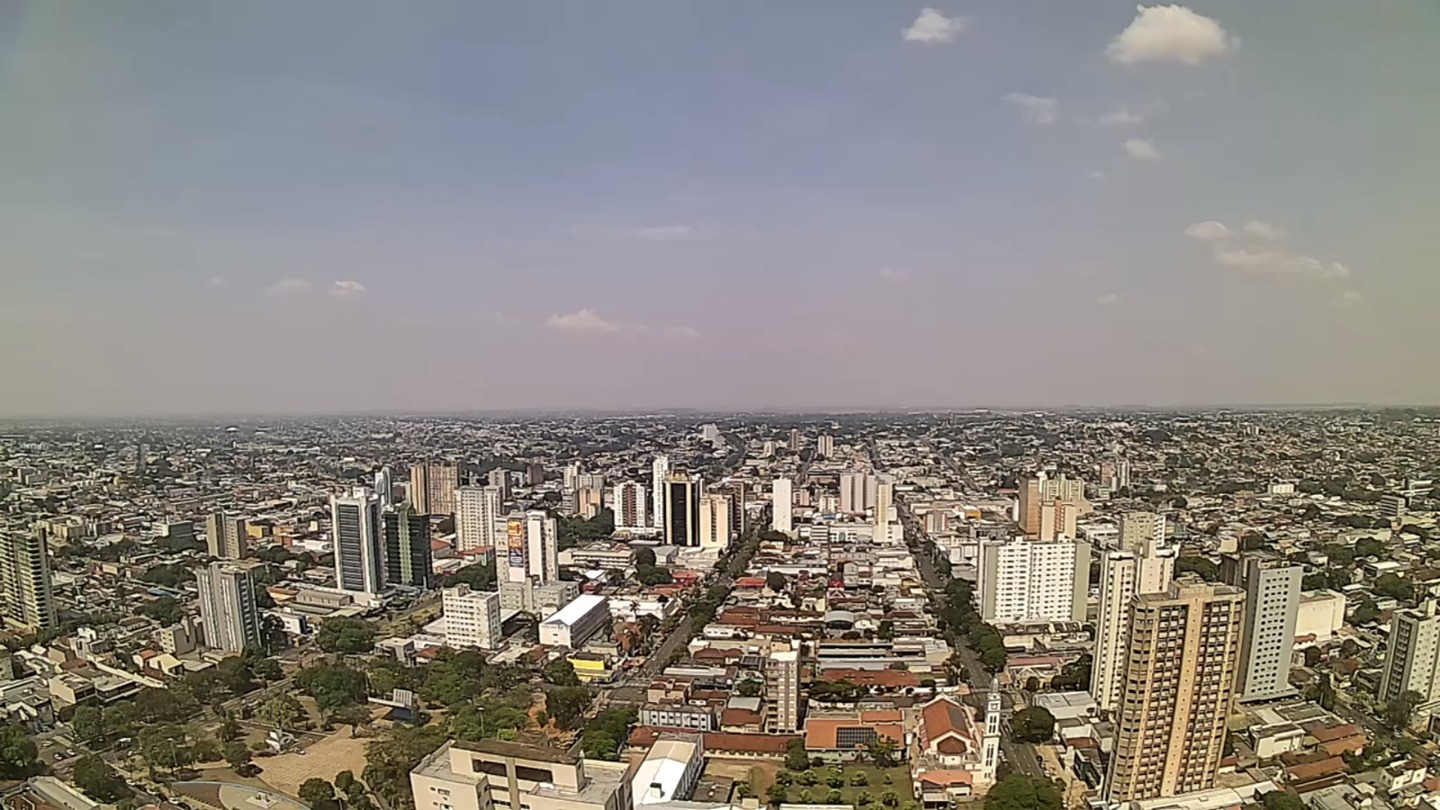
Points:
[(862, 786)]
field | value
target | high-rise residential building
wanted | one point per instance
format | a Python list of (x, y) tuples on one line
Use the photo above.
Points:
[(356, 531), (477, 519), (385, 488), (499, 477), (782, 502), (1023, 580), (227, 606), (794, 440), (825, 445), (1139, 529), (542, 547), (407, 548), (432, 487), (472, 618), (659, 474), (1123, 574), (534, 474), (1049, 507), (29, 602), (1413, 661), (1061, 488), (682, 509), (857, 491), (884, 510), (226, 538), (1180, 667), (782, 688), (1272, 601), (569, 477), (627, 500), (1058, 519), (589, 501), (1028, 511), (715, 526)]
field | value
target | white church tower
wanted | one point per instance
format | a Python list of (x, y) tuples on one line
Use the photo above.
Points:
[(991, 748)]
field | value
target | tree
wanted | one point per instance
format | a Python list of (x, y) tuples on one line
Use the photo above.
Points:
[(796, 758), (316, 791), (392, 756), (88, 724), (644, 556), (775, 581), (345, 782), (1312, 656), (1205, 569), (598, 744), (1365, 612), (777, 794), (98, 780), (165, 611), (749, 687), (1282, 800), (234, 675), (237, 756), (333, 686), (283, 711), (890, 798), (1369, 547), (859, 779), (166, 745), (267, 669), (19, 758), (480, 577), (1397, 713), (1033, 725), (1394, 587), (883, 752), (1020, 792), (229, 728), (354, 715), (346, 635), (561, 672), (1074, 676), (566, 704)]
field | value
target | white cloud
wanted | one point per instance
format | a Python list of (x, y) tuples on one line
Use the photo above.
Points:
[(1337, 270), (1107, 299), (288, 286), (218, 281), (1096, 175), (1263, 230), (1141, 149), (932, 26), (345, 288), (1207, 231), (1279, 262), (1170, 33), (896, 274), (586, 320), (1351, 297), (1040, 109), (1123, 117)]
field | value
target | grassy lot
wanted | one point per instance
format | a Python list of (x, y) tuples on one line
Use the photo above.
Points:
[(816, 786)]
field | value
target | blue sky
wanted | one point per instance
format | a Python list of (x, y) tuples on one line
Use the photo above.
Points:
[(342, 206)]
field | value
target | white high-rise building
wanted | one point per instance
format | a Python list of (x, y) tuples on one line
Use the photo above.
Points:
[(227, 607), (1030, 580), (1123, 575), (627, 501), (385, 488), (477, 519), (28, 600), (857, 491), (659, 471), (990, 759), (472, 618), (1413, 661), (782, 691), (542, 542), (884, 510), (355, 530), (825, 445), (570, 479), (715, 529), (1140, 529), (782, 499), (1272, 601)]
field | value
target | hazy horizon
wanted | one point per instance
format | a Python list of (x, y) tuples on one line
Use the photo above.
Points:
[(439, 208)]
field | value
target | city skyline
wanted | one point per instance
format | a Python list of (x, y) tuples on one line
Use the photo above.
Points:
[(965, 204)]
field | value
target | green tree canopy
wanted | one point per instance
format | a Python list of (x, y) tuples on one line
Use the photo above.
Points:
[(1033, 725), (1020, 792), (346, 635)]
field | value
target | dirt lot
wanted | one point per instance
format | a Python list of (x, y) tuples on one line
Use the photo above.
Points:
[(338, 751)]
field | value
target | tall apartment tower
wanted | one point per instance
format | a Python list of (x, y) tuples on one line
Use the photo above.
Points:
[(226, 538), (715, 527), (794, 440), (385, 488), (1123, 574), (857, 491), (825, 445), (28, 602), (659, 475), (1413, 663), (477, 515), (407, 548), (1023, 580), (472, 618), (782, 688), (356, 531), (1028, 511), (227, 607), (782, 501), (432, 487), (884, 510), (1181, 663), (542, 547), (499, 477), (682, 509), (1272, 602), (627, 501), (1138, 529)]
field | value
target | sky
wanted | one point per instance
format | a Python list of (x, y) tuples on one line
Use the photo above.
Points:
[(349, 206)]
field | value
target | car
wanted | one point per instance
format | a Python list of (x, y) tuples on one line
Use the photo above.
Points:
[(59, 756)]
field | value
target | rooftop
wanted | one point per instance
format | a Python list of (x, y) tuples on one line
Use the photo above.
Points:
[(576, 609)]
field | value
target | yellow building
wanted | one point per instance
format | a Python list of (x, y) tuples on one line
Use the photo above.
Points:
[(591, 667)]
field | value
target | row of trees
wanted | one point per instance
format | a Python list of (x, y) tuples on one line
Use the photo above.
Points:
[(959, 616)]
